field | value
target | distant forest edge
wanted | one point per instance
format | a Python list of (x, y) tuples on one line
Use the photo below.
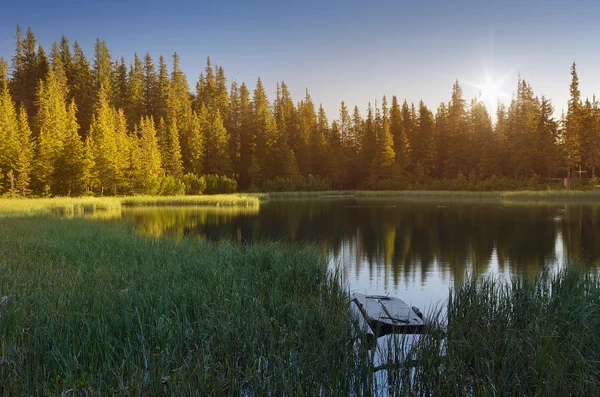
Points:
[(71, 127)]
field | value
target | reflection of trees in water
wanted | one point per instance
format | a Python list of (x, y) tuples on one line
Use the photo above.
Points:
[(404, 240)]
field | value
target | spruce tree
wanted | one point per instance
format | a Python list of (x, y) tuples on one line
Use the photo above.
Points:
[(102, 69), (172, 161), (382, 166), (24, 160), (82, 89), (573, 127), (53, 122), (217, 159), (148, 171), (135, 92), (69, 169)]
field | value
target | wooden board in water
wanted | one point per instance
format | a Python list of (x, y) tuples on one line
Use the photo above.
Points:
[(387, 315)]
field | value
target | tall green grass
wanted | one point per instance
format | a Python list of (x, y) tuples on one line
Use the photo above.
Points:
[(91, 205), (433, 194), (525, 337), (93, 308), (246, 200)]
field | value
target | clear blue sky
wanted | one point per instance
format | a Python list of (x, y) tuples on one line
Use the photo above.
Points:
[(349, 50)]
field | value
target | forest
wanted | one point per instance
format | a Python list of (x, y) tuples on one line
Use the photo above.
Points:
[(70, 126)]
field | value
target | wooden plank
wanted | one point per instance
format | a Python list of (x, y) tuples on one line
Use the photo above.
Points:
[(386, 315)]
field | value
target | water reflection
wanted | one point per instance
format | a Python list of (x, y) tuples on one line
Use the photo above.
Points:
[(401, 247)]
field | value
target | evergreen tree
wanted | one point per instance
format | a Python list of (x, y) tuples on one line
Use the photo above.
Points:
[(135, 92), (109, 168), (53, 123), (150, 87), (247, 143), (368, 146), (27, 66), (383, 163), (82, 90), (457, 143), (24, 155), (69, 169), (424, 149), (172, 163), (401, 144), (573, 127), (102, 68), (9, 138), (147, 170), (197, 146)]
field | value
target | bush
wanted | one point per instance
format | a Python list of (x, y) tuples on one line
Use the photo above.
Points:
[(193, 184), (170, 186), (215, 184)]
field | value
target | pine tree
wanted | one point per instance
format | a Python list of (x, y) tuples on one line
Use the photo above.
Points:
[(424, 151), (318, 144), (25, 155), (197, 146), (27, 66), (53, 122), (59, 69), (401, 144), (69, 169), (135, 92), (573, 127), (172, 161), (547, 155), (457, 143), (121, 86), (368, 146), (383, 164), (82, 90), (217, 159), (263, 134), (146, 159), (441, 139), (9, 140), (246, 137), (102, 68), (108, 160), (150, 87)]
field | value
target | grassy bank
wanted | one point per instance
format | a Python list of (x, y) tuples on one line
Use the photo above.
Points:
[(524, 195), (89, 205), (536, 338), (96, 309)]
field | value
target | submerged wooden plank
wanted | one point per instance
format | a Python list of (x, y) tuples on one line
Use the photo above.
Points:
[(386, 315)]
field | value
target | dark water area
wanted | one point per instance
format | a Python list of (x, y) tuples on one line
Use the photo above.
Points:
[(414, 250)]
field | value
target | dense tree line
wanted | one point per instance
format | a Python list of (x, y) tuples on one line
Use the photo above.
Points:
[(69, 126)]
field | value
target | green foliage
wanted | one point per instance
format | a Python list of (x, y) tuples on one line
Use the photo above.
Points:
[(170, 186), (218, 184), (193, 184)]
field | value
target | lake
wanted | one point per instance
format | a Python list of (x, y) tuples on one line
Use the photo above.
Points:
[(414, 250)]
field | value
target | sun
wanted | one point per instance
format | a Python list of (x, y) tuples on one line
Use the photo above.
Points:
[(491, 91)]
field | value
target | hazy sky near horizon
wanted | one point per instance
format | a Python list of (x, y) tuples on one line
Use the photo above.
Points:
[(356, 51)]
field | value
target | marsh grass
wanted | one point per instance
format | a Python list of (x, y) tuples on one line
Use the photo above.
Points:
[(245, 200), (58, 205), (523, 337), (94, 308), (93, 205), (530, 195)]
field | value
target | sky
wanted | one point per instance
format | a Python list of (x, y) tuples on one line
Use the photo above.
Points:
[(355, 51)]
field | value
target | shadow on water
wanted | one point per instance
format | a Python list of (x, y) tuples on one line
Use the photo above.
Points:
[(412, 249)]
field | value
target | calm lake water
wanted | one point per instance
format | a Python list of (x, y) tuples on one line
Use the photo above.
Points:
[(414, 250)]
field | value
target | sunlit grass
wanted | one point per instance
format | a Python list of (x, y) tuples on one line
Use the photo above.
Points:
[(95, 205), (58, 205), (247, 200), (433, 194), (93, 308)]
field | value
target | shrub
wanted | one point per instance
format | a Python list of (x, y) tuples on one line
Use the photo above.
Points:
[(171, 187), (215, 184), (193, 184)]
